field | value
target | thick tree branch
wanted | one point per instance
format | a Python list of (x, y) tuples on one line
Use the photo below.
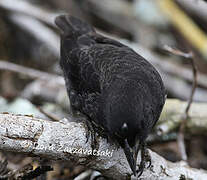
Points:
[(172, 114), (60, 141)]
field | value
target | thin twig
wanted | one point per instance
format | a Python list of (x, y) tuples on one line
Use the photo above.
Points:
[(178, 52), (180, 138), (194, 68), (32, 73), (29, 9)]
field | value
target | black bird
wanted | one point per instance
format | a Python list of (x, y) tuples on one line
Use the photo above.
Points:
[(116, 88)]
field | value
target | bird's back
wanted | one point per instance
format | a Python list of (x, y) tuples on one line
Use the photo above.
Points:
[(128, 81), (103, 70)]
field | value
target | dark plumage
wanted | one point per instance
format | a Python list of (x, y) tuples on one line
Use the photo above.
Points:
[(112, 85)]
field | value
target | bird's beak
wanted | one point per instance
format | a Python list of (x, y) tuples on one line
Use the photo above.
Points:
[(131, 156)]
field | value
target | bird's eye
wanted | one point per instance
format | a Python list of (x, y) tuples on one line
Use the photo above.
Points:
[(124, 128)]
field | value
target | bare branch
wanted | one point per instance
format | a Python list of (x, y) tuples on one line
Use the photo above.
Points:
[(59, 141), (172, 114), (178, 52), (180, 138), (29, 9), (32, 73)]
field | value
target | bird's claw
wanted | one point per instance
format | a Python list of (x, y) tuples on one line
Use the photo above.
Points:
[(91, 132), (145, 157), (141, 168), (148, 158)]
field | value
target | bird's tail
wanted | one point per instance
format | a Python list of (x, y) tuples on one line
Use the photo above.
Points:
[(70, 25)]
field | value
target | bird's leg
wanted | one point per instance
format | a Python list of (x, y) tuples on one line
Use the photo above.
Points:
[(74, 100), (92, 127), (109, 139), (75, 104), (91, 132), (145, 157), (102, 132)]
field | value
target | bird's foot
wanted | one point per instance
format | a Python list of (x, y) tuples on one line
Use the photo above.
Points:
[(90, 132), (145, 157), (108, 138), (101, 132), (104, 134), (148, 158)]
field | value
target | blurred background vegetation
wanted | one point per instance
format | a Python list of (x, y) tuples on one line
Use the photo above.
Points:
[(30, 76)]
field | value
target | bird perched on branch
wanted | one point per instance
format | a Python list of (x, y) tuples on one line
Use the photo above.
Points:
[(116, 88)]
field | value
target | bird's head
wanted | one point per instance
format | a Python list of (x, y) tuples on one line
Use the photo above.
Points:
[(129, 144), (128, 117), (125, 126)]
